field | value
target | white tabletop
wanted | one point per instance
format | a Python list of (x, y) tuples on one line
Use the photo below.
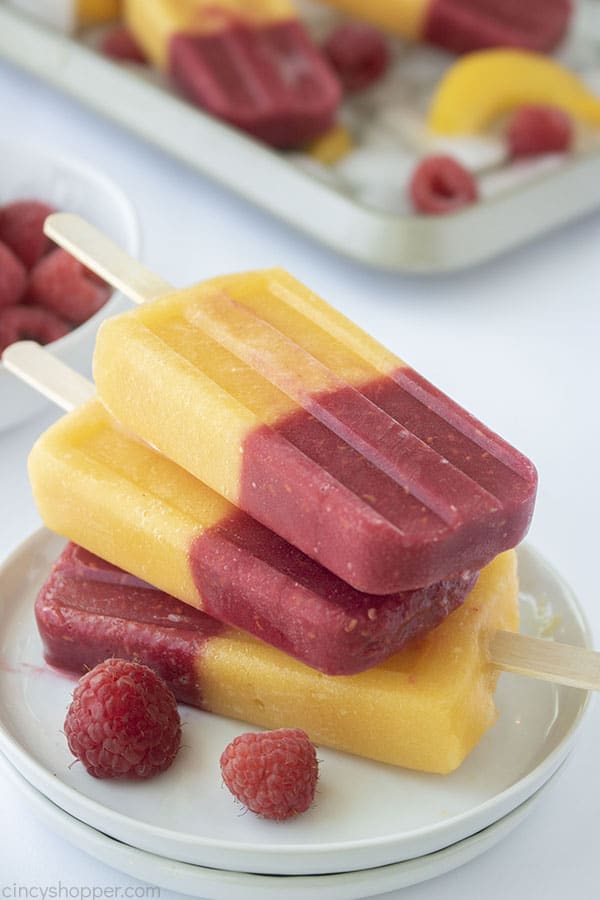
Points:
[(515, 341)]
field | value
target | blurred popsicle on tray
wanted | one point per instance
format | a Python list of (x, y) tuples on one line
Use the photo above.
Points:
[(252, 65), (465, 25)]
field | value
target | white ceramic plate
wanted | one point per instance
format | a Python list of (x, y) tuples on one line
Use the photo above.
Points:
[(32, 172), (366, 814), (218, 884)]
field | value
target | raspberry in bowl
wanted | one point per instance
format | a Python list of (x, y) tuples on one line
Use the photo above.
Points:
[(33, 273)]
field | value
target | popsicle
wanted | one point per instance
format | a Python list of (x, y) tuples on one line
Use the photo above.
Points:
[(276, 401), (424, 708), (465, 25), (123, 501), (251, 64)]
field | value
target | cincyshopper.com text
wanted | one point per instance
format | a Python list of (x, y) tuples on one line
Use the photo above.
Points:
[(60, 891)]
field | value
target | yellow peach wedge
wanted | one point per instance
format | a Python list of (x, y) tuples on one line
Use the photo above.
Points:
[(483, 86)]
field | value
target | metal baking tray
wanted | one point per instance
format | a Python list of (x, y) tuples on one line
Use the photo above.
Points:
[(402, 243)]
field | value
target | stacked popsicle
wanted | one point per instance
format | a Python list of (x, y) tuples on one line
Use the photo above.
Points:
[(366, 501), (130, 505), (424, 708)]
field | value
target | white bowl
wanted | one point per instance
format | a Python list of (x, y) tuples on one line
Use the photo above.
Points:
[(70, 186)]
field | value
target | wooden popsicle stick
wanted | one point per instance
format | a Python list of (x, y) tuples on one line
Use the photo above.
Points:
[(546, 660), (48, 375), (517, 653), (98, 253)]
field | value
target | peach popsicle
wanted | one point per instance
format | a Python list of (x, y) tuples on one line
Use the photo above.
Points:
[(263, 391), (424, 708), (125, 502), (251, 64)]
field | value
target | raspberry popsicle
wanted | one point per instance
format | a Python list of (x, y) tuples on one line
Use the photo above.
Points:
[(251, 64), (125, 502), (292, 413), (424, 708), (465, 25)]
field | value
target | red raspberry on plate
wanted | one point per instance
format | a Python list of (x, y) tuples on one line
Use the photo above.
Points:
[(30, 323), (123, 721), (22, 228), (273, 773), (358, 54), (118, 43), (534, 130), (13, 277), (440, 184), (61, 283)]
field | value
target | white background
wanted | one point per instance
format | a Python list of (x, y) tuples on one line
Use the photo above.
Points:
[(515, 341)]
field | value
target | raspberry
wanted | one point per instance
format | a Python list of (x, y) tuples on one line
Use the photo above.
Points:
[(61, 283), (441, 185), (273, 773), (21, 227), (358, 53), (118, 43), (123, 721), (22, 323), (539, 129), (13, 277)]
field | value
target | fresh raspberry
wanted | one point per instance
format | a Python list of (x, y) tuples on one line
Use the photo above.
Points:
[(358, 53), (118, 43), (441, 185), (62, 284), (21, 227), (24, 323), (534, 130), (13, 277), (273, 773), (123, 721)]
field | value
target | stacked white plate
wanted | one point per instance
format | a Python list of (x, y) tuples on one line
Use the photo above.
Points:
[(373, 828)]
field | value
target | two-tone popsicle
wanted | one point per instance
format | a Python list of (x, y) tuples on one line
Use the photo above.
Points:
[(466, 25), (424, 708), (294, 414), (252, 65)]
